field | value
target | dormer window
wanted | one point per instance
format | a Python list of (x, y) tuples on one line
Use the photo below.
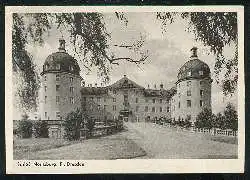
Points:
[(71, 68), (189, 73), (200, 73), (58, 67), (46, 67)]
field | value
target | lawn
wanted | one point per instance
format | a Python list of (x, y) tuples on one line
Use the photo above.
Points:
[(24, 147), (115, 146)]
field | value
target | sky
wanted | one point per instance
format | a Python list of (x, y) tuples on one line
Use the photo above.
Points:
[(168, 51)]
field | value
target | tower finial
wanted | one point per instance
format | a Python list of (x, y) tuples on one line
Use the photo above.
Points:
[(194, 52), (61, 45)]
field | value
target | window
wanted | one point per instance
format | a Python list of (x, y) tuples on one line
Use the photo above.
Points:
[(98, 107), (137, 108), (45, 88), (98, 99), (188, 92), (105, 107), (58, 115), (57, 77), (46, 67), (45, 99), (179, 105), (146, 108), (167, 101), (136, 100), (114, 91), (57, 99), (71, 100), (201, 93), (168, 109), (153, 109), (189, 73), (201, 103), (104, 99), (160, 100), (200, 73), (201, 83), (146, 100), (71, 89), (188, 103), (71, 79), (45, 77), (58, 67), (160, 109), (114, 99), (45, 114), (188, 83), (188, 117), (114, 108), (57, 87), (71, 68), (153, 100)]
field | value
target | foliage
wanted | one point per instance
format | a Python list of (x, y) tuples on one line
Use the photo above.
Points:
[(24, 128), (41, 129), (231, 117), (220, 121), (215, 30), (74, 121), (88, 35), (205, 119), (90, 124)]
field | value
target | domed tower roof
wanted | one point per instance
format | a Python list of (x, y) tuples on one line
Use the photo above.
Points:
[(61, 61), (194, 68)]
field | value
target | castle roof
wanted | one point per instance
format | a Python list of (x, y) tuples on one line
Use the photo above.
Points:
[(194, 66), (125, 83), (61, 61)]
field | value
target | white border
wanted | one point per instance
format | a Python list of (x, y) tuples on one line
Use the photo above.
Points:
[(133, 165)]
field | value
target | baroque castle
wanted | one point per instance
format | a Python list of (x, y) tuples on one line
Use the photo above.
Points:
[(63, 90)]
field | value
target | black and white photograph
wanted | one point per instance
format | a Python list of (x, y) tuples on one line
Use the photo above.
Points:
[(128, 85)]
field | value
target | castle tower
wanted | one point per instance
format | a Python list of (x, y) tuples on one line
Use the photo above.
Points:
[(61, 84), (193, 89)]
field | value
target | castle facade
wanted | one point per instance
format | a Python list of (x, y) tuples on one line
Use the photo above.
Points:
[(63, 91)]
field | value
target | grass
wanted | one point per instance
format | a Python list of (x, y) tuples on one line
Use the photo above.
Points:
[(115, 146), (224, 139), (22, 147)]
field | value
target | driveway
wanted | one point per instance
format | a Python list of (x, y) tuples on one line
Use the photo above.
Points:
[(162, 142)]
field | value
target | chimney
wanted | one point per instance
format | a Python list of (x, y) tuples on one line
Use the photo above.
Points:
[(95, 84), (101, 84), (148, 86), (155, 86), (61, 45), (194, 52), (90, 85)]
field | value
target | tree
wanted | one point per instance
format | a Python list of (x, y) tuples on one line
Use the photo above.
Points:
[(215, 30), (204, 119), (231, 117), (41, 129), (92, 48), (73, 123), (90, 124), (24, 128), (220, 121)]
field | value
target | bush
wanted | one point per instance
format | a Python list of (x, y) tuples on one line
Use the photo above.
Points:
[(41, 129), (24, 129), (90, 124), (205, 119), (231, 117), (74, 121)]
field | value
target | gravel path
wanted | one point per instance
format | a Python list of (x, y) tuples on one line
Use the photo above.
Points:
[(161, 142)]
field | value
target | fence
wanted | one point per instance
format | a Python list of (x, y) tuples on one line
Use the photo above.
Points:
[(213, 131)]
